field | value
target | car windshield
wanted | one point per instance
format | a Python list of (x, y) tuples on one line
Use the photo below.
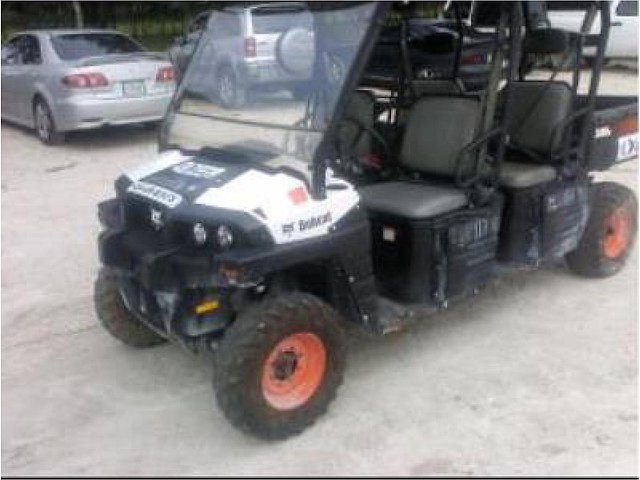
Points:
[(77, 46), (269, 97)]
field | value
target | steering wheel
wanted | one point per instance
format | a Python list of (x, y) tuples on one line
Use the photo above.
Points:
[(352, 162)]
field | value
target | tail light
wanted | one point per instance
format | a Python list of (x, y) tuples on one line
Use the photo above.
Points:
[(85, 80), (250, 47), (166, 74), (626, 126), (472, 59)]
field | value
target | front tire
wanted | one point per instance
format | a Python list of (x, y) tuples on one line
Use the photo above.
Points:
[(610, 233), (279, 366), (114, 316), (45, 124)]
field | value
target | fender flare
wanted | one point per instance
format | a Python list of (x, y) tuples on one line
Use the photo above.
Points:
[(349, 268)]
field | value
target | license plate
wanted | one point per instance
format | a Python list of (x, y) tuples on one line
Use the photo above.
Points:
[(133, 89), (627, 147)]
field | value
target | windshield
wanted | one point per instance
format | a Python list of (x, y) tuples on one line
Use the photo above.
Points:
[(268, 90), (82, 45)]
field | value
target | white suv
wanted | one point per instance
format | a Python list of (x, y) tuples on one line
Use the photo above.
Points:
[(248, 39)]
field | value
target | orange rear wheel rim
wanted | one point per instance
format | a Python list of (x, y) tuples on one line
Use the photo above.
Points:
[(617, 234), (293, 370)]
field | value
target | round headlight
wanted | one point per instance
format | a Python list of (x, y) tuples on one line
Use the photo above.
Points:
[(199, 234), (224, 236)]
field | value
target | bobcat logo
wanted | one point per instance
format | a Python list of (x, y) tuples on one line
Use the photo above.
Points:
[(156, 218), (303, 225)]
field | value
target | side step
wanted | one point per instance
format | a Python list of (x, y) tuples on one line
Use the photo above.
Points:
[(394, 316)]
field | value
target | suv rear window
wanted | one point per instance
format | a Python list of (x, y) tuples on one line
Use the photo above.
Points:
[(628, 8), (277, 21), (82, 45)]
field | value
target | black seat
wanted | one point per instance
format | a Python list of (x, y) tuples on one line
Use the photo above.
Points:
[(359, 113), (437, 130), (412, 200), (536, 114), (428, 88), (535, 124)]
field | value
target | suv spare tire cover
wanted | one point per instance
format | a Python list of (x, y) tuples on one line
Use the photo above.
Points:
[(295, 51)]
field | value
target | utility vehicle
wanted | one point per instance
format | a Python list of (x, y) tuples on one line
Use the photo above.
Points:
[(261, 231)]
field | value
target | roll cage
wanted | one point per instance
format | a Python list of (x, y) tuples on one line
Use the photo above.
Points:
[(517, 51)]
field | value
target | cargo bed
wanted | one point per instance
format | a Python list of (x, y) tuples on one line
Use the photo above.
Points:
[(613, 132)]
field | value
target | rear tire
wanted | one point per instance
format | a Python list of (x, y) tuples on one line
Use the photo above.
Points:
[(114, 316), (230, 93), (279, 366), (610, 233), (45, 124)]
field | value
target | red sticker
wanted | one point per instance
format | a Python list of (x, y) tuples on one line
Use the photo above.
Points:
[(298, 195)]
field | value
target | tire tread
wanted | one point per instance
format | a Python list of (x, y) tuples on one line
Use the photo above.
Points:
[(588, 258), (243, 347)]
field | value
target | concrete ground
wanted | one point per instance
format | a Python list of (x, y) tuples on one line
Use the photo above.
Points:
[(536, 376)]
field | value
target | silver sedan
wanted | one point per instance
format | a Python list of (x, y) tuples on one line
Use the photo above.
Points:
[(60, 80)]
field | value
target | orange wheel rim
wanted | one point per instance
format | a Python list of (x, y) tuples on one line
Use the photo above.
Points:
[(293, 371), (617, 234)]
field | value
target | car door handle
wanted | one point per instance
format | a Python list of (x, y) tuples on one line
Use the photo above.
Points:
[(616, 24)]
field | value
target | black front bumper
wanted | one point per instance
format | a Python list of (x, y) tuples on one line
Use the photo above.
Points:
[(155, 266), (150, 256), (160, 262)]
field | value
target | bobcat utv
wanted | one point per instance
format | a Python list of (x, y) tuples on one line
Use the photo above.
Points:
[(260, 231)]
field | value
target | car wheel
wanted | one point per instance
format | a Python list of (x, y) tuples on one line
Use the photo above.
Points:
[(45, 124), (230, 93), (279, 366), (610, 232)]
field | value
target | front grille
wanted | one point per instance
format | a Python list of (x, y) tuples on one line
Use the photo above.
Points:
[(170, 232), (138, 214)]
